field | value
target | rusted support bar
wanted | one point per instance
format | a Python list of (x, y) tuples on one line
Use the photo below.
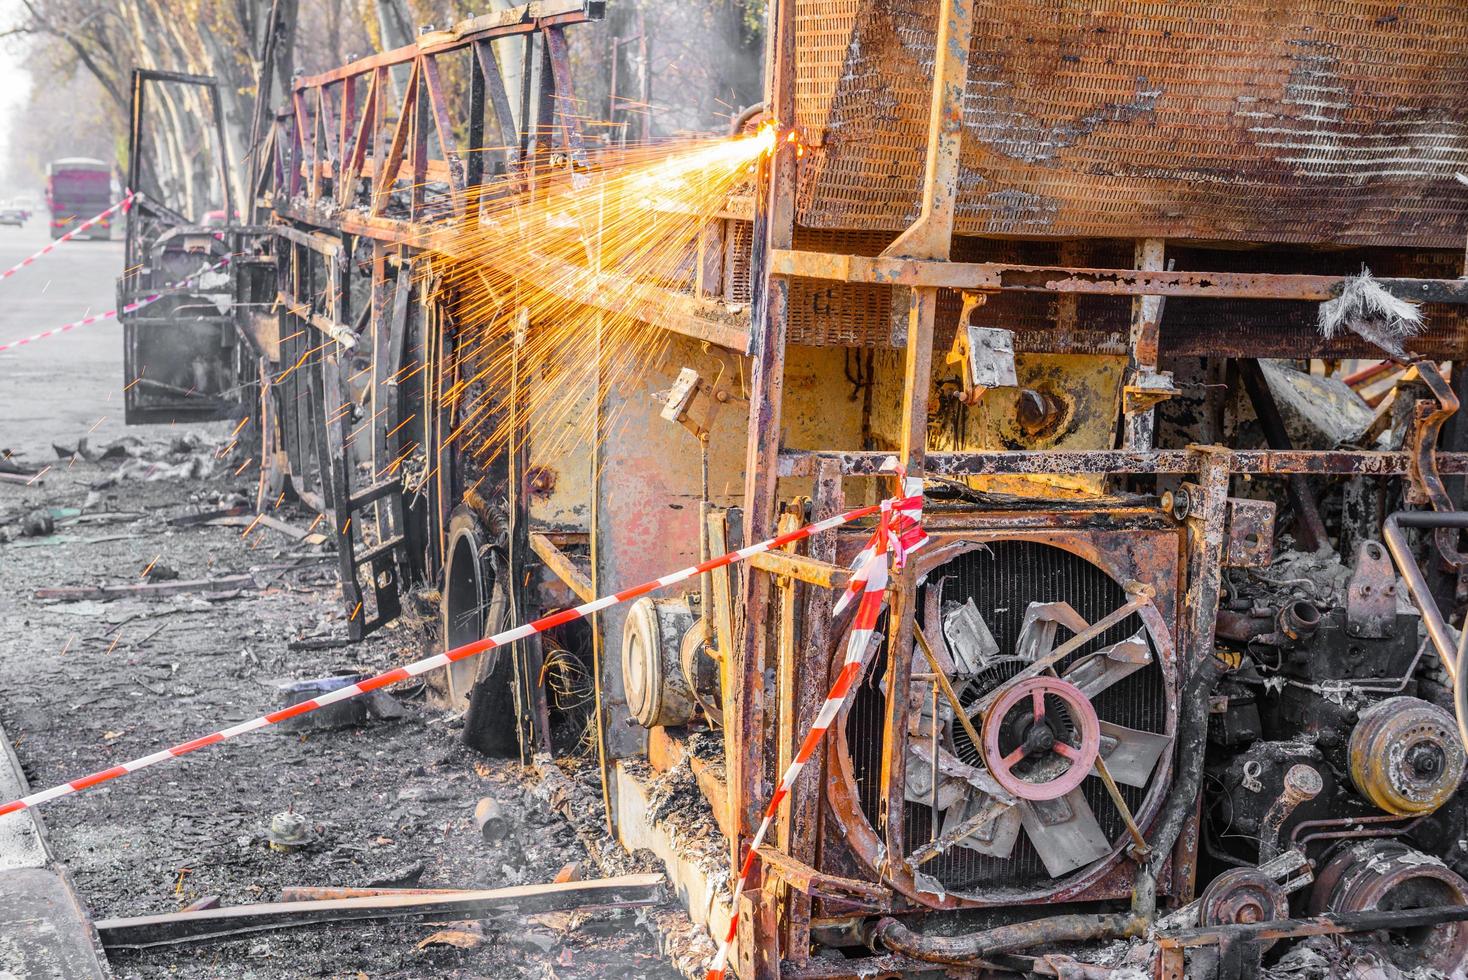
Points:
[(443, 126), (1165, 461), (802, 569), (1309, 528), (992, 276), (562, 565), (385, 172), (319, 241)]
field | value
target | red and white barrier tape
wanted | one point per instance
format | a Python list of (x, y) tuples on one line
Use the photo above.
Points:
[(128, 308), (124, 204), (898, 532), (451, 656)]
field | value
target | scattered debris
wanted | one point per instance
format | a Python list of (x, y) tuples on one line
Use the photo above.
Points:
[(491, 821), (288, 832)]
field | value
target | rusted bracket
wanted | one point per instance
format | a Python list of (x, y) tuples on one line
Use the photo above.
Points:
[(1426, 483), (802, 877)]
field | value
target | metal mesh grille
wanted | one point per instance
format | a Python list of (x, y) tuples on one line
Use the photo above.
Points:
[(1338, 121), (1003, 582)]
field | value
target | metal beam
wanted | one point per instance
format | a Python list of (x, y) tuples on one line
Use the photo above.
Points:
[(998, 276)]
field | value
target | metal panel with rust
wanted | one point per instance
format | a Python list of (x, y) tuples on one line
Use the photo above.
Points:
[(1327, 121)]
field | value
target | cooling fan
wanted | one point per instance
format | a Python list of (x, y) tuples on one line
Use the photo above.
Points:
[(1029, 737)]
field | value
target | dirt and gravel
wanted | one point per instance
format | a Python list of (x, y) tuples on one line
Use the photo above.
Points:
[(93, 682)]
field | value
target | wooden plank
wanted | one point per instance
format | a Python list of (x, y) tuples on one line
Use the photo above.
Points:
[(143, 931), (227, 583)]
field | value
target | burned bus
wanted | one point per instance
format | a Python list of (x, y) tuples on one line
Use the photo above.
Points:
[(1161, 302)]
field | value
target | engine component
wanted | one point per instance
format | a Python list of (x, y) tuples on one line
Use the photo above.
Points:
[(1371, 594), (1405, 756), (1301, 783), (1389, 876), (658, 692), (1038, 752), (1243, 895)]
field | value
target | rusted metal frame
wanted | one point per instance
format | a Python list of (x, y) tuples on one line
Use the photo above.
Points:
[(998, 276), (929, 238), (802, 568), (1259, 462), (385, 171), (757, 953), (524, 19), (565, 98), (805, 810), (354, 154), (444, 128), (504, 115), (1138, 410), (1309, 528), (324, 141), (562, 566)]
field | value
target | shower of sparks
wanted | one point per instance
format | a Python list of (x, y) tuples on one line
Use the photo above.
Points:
[(552, 286)]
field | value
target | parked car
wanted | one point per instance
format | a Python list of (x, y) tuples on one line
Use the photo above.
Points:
[(11, 215)]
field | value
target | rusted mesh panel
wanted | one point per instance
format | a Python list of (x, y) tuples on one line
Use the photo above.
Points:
[(1329, 121)]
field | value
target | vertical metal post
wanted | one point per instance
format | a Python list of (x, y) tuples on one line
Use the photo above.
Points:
[(929, 237), (774, 227), (1139, 416)]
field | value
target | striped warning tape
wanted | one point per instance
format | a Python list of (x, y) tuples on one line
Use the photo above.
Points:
[(127, 308), (452, 656), (124, 204), (899, 531)]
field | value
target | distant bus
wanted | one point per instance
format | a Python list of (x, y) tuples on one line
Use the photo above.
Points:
[(76, 189)]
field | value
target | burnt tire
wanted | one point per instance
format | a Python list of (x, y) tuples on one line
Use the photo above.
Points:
[(475, 605)]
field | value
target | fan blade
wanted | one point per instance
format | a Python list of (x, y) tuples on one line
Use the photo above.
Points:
[(1131, 754), (995, 837), (1064, 832), (1037, 631), (1096, 672)]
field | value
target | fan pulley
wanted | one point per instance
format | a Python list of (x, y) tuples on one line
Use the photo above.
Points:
[(1034, 750)]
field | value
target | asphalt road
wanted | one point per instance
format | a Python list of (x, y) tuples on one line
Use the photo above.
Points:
[(57, 389)]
